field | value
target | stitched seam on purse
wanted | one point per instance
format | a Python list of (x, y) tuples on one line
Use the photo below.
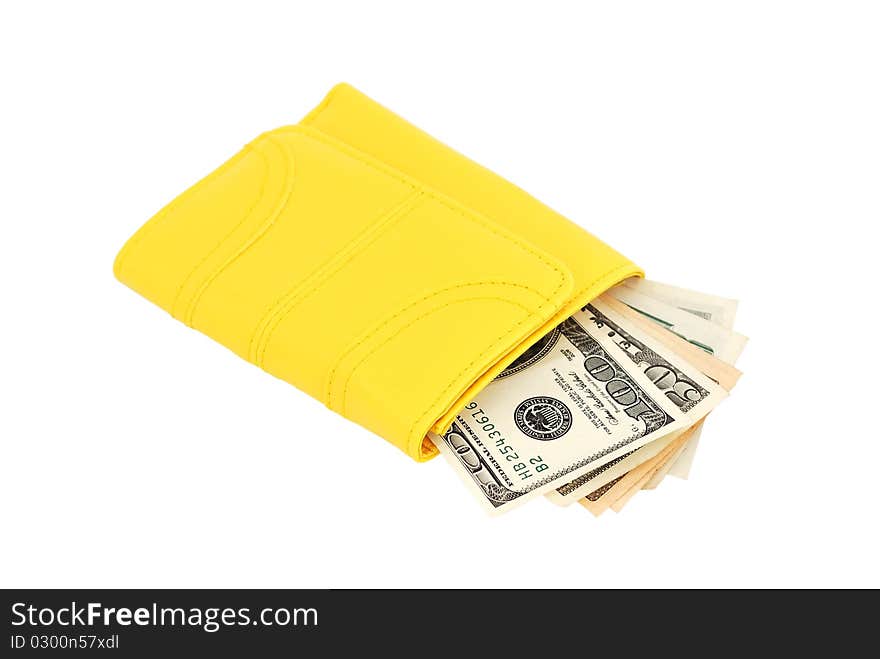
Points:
[(388, 321), (410, 324), (315, 134), (290, 179), (420, 418), (477, 219), (310, 120), (163, 214), (623, 266), (216, 247), (278, 311)]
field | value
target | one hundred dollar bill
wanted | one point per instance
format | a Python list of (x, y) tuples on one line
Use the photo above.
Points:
[(574, 401), (672, 376), (718, 370), (616, 493), (667, 303)]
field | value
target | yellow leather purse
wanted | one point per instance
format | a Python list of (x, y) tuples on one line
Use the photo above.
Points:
[(369, 265)]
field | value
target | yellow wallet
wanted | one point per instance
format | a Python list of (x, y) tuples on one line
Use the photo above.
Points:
[(369, 265)]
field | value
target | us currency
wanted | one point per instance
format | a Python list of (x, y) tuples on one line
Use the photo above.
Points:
[(726, 375), (671, 376), (624, 487), (720, 371), (714, 339), (718, 310), (665, 309), (681, 467), (609, 472), (575, 401)]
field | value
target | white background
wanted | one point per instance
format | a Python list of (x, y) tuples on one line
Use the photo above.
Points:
[(730, 147)]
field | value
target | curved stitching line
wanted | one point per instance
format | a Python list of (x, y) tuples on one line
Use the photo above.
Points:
[(420, 418), (474, 361), (261, 231), (278, 310), (381, 345), (397, 315), (216, 247), (343, 146), (400, 312), (354, 153), (162, 215)]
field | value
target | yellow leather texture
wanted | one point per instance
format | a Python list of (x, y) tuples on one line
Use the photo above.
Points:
[(369, 265)]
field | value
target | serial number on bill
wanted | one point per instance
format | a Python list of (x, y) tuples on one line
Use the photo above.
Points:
[(523, 470)]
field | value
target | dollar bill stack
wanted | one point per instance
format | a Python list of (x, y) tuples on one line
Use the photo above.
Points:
[(607, 404)]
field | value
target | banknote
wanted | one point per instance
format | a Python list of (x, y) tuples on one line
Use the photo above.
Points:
[(619, 491), (674, 377), (720, 371), (685, 353), (714, 339), (718, 310), (577, 402), (725, 374), (626, 486), (665, 309), (608, 472)]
